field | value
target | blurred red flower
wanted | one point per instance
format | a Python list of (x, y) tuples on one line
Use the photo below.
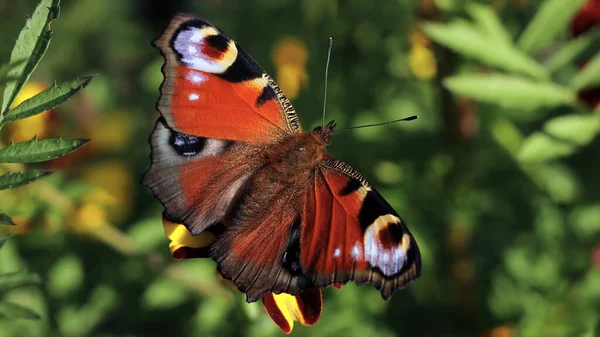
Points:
[(587, 18)]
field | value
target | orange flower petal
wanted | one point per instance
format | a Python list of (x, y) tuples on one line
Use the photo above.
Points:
[(183, 244), (284, 309)]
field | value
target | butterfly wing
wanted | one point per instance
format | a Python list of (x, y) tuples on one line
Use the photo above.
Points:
[(349, 232), (214, 89), (219, 110), (197, 178)]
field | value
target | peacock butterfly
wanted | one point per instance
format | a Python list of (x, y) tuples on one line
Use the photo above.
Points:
[(229, 156)]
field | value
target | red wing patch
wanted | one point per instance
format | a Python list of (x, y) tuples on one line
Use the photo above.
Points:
[(214, 89), (259, 249), (349, 232)]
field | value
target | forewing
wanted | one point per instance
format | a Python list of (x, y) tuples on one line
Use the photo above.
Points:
[(213, 88)]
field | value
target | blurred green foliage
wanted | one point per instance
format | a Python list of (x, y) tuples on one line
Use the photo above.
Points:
[(498, 180)]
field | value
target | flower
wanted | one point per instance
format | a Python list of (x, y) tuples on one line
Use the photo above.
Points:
[(112, 187), (290, 56), (283, 309), (421, 58), (587, 18)]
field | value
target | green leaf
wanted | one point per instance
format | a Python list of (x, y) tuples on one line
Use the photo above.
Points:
[(557, 179), (3, 240), (18, 280), (540, 147), (46, 100), (466, 39), (585, 221), (4, 69), (6, 220), (489, 23), (507, 135), (572, 50), (588, 76), (560, 137), (12, 179), (510, 91), (551, 19), (13, 310), (30, 46), (34, 151)]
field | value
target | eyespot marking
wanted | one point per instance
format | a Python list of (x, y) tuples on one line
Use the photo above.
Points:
[(389, 254)]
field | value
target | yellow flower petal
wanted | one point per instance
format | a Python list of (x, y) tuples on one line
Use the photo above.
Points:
[(290, 56), (113, 187), (284, 309), (183, 244), (88, 219), (418, 38), (422, 62), (113, 132), (291, 79), (290, 50)]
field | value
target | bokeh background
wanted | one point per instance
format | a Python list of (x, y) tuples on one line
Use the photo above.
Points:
[(498, 180)]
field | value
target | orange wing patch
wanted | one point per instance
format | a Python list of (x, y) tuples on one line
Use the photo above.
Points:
[(203, 109), (214, 89)]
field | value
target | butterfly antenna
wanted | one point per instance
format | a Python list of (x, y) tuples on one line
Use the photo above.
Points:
[(329, 45), (379, 124)]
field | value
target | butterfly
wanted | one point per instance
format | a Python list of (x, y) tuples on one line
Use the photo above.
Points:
[(230, 157)]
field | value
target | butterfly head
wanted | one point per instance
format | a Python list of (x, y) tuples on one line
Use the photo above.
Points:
[(326, 131)]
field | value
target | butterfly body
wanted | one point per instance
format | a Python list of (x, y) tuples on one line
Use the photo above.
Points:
[(295, 158), (229, 157)]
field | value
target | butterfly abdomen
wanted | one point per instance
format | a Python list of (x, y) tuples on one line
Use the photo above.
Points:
[(294, 159)]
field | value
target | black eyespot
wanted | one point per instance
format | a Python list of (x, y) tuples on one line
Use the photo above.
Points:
[(186, 145), (219, 42)]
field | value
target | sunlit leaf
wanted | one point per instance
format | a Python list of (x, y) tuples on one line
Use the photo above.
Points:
[(46, 100), (466, 39), (13, 310), (585, 220), (572, 50), (560, 137), (556, 179), (488, 21), (510, 91), (30, 46), (15, 179), (18, 279), (551, 19), (542, 147), (34, 150), (507, 135), (588, 76), (579, 129), (66, 276), (6, 220)]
